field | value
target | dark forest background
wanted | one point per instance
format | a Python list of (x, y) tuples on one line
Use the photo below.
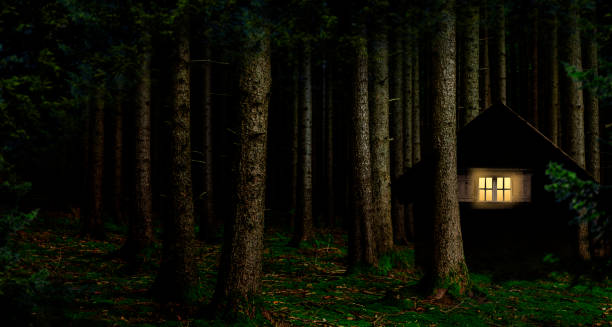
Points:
[(204, 122)]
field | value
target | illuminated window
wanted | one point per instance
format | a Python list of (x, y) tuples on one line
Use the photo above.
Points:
[(494, 189)]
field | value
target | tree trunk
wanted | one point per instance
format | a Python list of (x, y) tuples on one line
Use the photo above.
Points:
[(397, 135), (449, 268), (178, 277), (379, 143), (485, 71), (591, 112), (592, 121), (294, 147), (140, 229), (532, 78), (207, 223), (550, 83), (92, 224), (408, 98), (470, 62), (498, 52), (573, 103), (329, 144), (118, 162), (362, 249), (242, 256), (416, 104), (304, 224)]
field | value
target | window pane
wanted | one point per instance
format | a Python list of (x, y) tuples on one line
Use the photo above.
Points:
[(489, 182), (481, 182), (481, 195), (489, 195), (507, 195), (500, 183), (500, 195), (507, 183)]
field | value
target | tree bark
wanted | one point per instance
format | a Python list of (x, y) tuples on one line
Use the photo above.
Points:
[(591, 112), (140, 228), (470, 62), (294, 147), (93, 224), (207, 223), (573, 103), (550, 67), (416, 104), (242, 256), (449, 268), (304, 224), (408, 111), (408, 99), (498, 52), (379, 143), (329, 144), (592, 121), (397, 135), (118, 160), (177, 278), (485, 71), (362, 248), (532, 78)]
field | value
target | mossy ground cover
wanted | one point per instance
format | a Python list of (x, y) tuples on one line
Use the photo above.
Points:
[(82, 286)]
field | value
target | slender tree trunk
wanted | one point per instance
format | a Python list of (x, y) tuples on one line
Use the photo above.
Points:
[(573, 103), (498, 52), (532, 79), (591, 112), (363, 248), (397, 135), (470, 59), (304, 223), (92, 224), (408, 100), (550, 66), (140, 229), (242, 256), (177, 278), (294, 146), (416, 104), (379, 143), (118, 162), (207, 224), (449, 268), (329, 145), (408, 111), (592, 122), (485, 71)]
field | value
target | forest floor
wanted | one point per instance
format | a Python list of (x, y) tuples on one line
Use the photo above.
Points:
[(61, 279)]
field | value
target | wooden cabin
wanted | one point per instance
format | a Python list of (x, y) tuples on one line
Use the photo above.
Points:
[(506, 214)]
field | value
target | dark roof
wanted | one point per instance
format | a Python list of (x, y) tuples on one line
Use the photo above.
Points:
[(500, 138), (504, 138)]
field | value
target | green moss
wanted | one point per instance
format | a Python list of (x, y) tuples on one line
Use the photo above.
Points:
[(457, 283)]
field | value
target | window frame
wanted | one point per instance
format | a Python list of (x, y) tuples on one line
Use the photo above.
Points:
[(494, 188)]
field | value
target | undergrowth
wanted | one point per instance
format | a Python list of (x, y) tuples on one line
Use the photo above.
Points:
[(308, 286)]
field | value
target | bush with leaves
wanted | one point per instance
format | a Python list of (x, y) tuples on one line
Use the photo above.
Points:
[(584, 198)]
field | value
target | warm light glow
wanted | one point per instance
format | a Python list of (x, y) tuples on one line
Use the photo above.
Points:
[(494, 189), (507, 195)]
